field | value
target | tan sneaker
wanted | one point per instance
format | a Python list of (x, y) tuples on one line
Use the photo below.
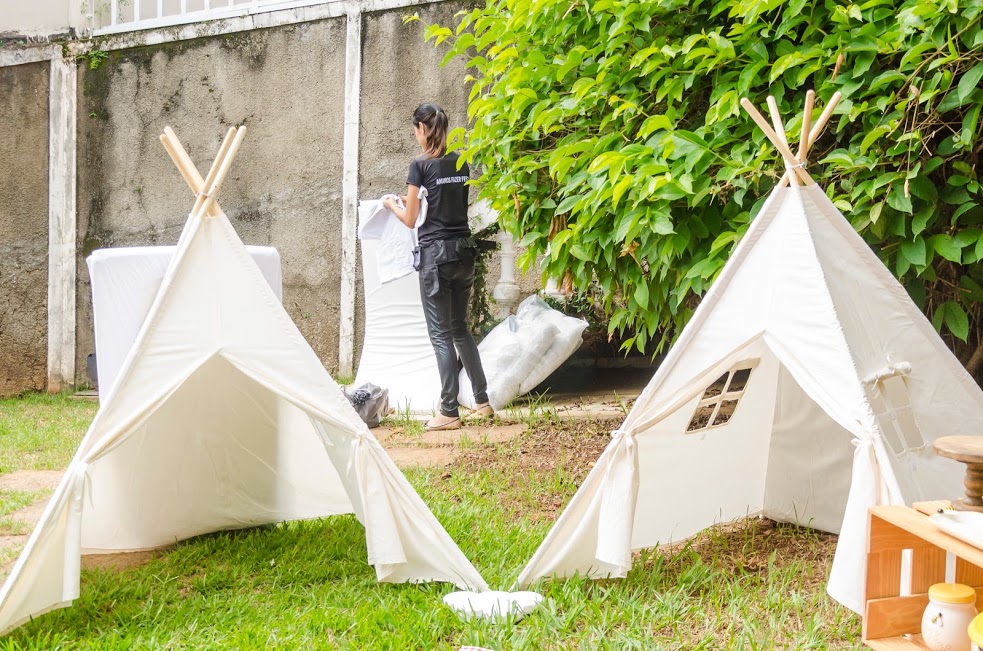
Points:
[(480, 412), (442, 422)]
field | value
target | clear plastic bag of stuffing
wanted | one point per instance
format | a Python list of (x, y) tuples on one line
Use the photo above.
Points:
[(522, 351)]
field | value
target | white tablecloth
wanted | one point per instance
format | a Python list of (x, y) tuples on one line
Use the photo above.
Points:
[(124, 284)]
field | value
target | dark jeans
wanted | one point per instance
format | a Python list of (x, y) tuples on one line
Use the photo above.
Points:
[(446, 313)]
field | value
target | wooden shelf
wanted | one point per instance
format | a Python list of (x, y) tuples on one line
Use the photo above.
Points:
[(892, 622)]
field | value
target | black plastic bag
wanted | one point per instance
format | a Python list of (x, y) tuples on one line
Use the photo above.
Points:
[(370, 402)]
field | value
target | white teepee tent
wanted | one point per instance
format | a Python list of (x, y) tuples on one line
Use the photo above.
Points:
[(807, 387), (223, 417)]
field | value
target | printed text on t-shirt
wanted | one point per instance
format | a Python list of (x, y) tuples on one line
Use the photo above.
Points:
[(452, 179)]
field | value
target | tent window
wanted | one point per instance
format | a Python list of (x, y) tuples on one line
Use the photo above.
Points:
[(892, 406), (717, 387), (719, 402)]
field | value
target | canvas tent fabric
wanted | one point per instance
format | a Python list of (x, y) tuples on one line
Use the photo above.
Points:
[(223, 417), (124, 283), (842, 385)]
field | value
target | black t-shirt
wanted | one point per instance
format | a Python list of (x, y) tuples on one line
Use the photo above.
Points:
[(447, 196)]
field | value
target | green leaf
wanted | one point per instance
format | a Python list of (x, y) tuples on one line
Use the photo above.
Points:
[(619, 190), (969, 82), (973, 290), (642, 295), (567, 204), (947, 247), (897, 200), (954, 317), (663, 225), (914, 251)]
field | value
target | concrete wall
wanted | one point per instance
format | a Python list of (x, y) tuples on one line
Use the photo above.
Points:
[(287, 86), (23, 227)]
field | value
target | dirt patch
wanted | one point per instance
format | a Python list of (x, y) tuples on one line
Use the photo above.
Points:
[(477, 434), (421, 457), (121, 560), (747, 546), (31, 480), (12, 542), (572, 447)]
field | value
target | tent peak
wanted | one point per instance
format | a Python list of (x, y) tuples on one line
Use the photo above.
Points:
[(794, 163), (205, 189)]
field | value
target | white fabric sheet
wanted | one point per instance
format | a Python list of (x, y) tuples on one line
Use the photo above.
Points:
[(223, 417), (394, 253), (124, 283)]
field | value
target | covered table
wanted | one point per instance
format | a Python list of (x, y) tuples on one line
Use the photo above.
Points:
[(124, 283)]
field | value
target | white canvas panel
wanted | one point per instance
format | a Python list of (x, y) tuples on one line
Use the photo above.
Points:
[(397, 353), (124, 283), (690, 481), (803, 326), (254, 462), (885, 327), (724, 320), (592, 537), (810, 462)]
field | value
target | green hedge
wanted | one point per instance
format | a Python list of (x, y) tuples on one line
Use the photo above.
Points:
[(610, 137)]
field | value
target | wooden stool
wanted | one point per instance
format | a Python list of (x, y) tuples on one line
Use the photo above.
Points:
[(969, 450)]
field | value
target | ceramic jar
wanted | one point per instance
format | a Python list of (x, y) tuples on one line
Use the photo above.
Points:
[(945, 624)]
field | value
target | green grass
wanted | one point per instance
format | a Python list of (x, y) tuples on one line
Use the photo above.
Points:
[(14, 500), (755, 585), (40, 431)]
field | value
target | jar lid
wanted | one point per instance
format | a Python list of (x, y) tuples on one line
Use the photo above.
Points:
[(952, 593), (976, 630)]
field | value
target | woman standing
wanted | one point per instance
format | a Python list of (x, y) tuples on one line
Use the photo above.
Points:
[(446, 261)]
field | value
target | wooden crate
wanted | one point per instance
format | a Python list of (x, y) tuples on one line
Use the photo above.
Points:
[(890, 621)]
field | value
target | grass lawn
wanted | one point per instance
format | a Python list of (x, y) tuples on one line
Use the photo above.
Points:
[(753, 585)]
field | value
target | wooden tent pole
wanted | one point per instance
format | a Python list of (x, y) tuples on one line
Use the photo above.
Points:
[(817, 130), (806, 124), (776, 121), (824, 117), (210, 178), (224, 164), (187, 168), (773, 137)]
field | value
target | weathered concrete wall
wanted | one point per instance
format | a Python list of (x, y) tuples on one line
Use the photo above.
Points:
[(23, 227), (287, 86)]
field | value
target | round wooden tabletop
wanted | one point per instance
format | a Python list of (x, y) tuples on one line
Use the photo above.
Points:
[(968, 449)]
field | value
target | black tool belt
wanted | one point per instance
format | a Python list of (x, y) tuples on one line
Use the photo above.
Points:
[(443, 251)]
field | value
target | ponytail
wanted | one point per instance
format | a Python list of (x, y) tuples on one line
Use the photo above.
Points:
[(434, 122)]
